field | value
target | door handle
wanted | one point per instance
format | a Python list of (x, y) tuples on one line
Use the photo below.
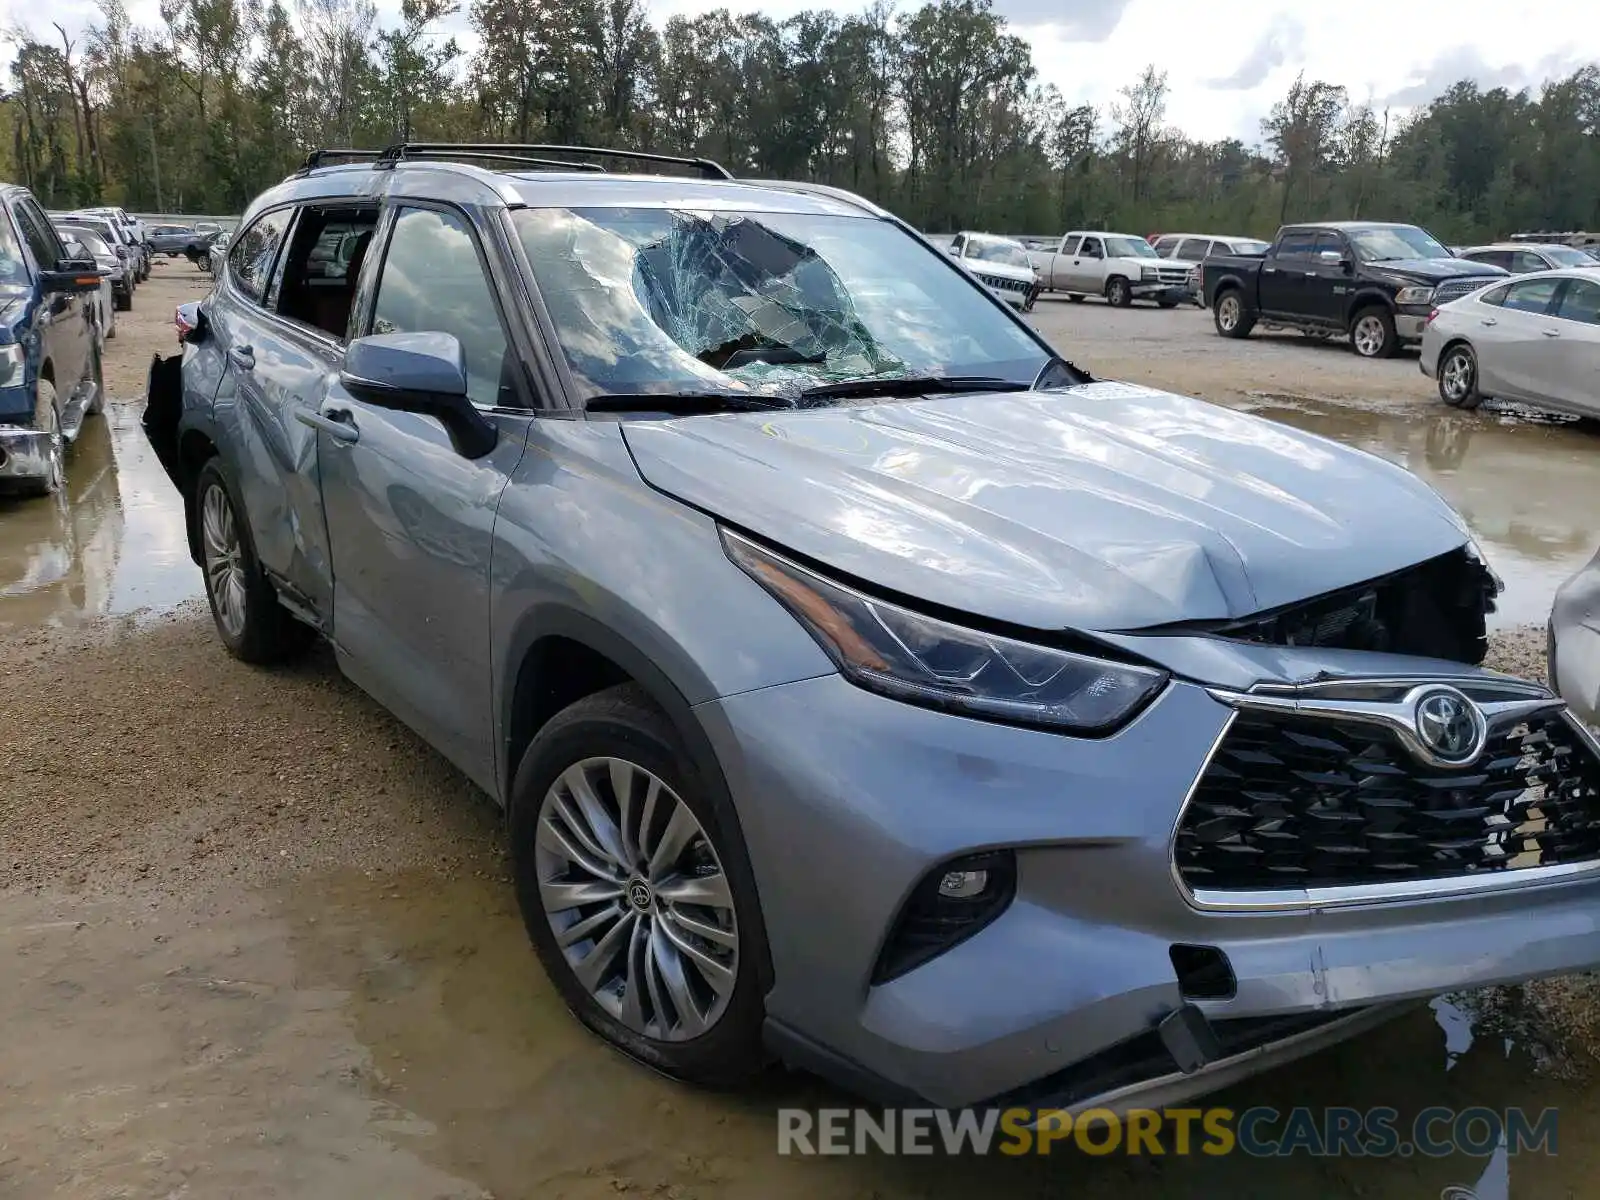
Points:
[(243, 357), (1488, 321), (1269, 270), (340, 428), (1551, 332), (1311, 274)]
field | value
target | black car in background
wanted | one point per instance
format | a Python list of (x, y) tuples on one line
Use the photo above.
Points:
[(1374, 282)]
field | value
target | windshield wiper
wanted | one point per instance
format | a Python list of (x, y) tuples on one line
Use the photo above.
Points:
[(686, 403), (910, 385)]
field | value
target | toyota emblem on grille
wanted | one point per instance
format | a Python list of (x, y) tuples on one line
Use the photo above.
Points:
[(1450, 727)]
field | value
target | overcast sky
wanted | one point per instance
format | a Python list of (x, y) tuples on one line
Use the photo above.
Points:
[(1226, 63)]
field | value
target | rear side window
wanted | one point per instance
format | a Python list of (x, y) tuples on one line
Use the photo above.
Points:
[(1296, 245), (1531, 295), (432, 282), (1580, 302), (1070, 245), (1492, 258), (43, 244), (251, 260)]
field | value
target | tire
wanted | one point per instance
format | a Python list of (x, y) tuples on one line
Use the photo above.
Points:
[(253, 626), (1166, 304), (711, 1038), (1232, 318), (1075, 297), (49, 414), (172, 254), (1118, 293), (123, 301), (1372, 333), (1458, 377)]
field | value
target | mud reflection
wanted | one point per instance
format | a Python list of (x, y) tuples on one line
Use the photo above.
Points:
[(1527, 487), (465, 1034), (112, 543)]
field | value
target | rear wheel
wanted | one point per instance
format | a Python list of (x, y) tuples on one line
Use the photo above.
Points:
[(1372, 334), (253, 626), (1458, 377), (1118, 293), (1075, 297), (636, 893), (1232, 319), (97, 376)]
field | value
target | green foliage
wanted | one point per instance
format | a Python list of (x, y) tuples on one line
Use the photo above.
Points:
[(935, 112)]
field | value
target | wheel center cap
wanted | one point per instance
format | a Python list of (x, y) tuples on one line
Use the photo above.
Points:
[(639, 894)]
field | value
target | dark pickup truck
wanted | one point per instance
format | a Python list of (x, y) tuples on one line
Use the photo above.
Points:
[(1371, 281)]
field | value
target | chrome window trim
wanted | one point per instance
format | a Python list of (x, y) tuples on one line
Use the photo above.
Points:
[(1520, 699)]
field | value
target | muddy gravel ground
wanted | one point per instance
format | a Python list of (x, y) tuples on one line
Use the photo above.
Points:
[(259, 941)]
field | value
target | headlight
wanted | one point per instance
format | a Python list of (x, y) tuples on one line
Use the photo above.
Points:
[(1147, 273), (1414, 295), (892, 650), (13, 365)]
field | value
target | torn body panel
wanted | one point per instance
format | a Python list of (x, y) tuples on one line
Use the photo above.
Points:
[(1575, 642)]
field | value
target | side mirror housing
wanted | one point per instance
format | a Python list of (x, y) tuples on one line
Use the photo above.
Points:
[(422, 373), (71, 275)]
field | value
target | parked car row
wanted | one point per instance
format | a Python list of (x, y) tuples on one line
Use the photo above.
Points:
[(870, 582)]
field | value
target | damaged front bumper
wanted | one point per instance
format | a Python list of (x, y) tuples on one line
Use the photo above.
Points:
[(24, 454), (1574, 642), (849, 801)]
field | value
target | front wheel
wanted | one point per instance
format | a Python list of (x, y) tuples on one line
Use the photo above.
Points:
[(1166, 304), (1372, 334), (1075, 297), (48, 417), (1118, 292), (636, 891), (1458, 378), (253, 626), (1232, 319)]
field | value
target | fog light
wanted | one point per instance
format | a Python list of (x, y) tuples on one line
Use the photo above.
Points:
[(963, 885)]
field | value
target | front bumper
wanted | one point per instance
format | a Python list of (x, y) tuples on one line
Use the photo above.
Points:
[(24, 453), (1155, 290), (848, 799), (1409, 322)]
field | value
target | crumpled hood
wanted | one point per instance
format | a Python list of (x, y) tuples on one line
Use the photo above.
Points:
[(1099, 507)]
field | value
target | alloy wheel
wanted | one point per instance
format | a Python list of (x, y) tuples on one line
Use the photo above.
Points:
[(1228, 313), (1456, 377), (224, 559), (55, 460), (637, 899), (1369, 336)]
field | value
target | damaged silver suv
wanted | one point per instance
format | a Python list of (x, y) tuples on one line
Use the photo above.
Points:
[(866, 686)]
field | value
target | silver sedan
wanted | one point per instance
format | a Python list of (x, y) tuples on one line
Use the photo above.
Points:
[(1535, 339), (1575, 642)]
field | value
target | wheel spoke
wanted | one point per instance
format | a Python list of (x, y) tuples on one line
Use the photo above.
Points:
[(578, 829), (670, 968), (623, 778), (560, 840), (705, 930), (716, 974), (560, 895), (593, 969), (601, 829), (635, 983), (588, 927), (675, 838), (709, 891)]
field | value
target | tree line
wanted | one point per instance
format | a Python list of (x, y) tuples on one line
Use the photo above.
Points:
[(937, 113)]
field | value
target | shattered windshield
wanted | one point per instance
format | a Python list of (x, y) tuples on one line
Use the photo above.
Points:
[(648, 300)]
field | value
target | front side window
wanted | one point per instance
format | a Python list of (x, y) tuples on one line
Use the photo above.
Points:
[(255, 251), (1580, 302), (1525, 262), (1091, 248), (40, 236), (1195, 249), (1165, 246), (1531, 295), (1121, 247), (663, 300), (1008, 253), (432, 282), (1296, 245)]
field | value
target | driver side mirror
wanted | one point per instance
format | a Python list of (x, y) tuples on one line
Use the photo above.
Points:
[(1332, 258), (422, 373), (74, 274)]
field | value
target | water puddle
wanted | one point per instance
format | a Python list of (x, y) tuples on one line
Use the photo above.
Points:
[(503, 1088), (112, 543), (1528, 487)]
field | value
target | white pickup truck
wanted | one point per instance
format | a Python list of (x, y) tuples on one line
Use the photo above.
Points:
[(1119, 266)]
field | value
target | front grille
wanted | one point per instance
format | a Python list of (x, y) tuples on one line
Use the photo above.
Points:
[(1177, 275), (1002, 284), (1291, 801), (1457, 288)]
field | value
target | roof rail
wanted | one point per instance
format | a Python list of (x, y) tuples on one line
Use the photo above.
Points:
[(320, 158), (523, 152)]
